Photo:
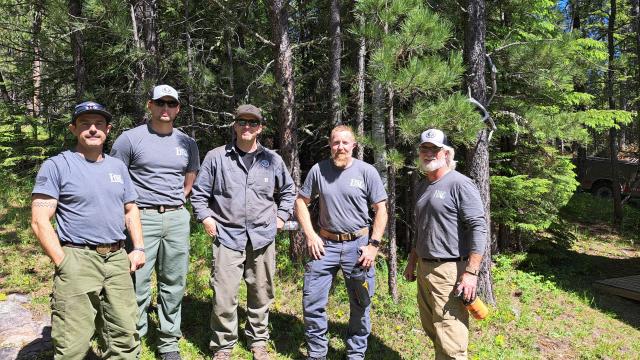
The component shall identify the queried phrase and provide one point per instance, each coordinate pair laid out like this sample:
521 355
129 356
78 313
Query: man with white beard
450 240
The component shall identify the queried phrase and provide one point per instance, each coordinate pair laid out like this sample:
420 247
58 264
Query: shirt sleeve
194 156
310 187
375 187
202 187
287 192
122 149
48 180
472 215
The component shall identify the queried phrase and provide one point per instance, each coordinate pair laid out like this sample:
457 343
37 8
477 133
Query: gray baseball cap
164 90
435 137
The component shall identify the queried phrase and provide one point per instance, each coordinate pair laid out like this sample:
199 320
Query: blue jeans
318 276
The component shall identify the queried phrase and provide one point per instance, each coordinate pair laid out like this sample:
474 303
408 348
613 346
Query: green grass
546 306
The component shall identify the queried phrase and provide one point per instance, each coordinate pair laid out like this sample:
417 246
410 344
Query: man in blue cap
93 200
163 162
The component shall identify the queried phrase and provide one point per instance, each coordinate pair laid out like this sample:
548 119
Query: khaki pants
444 317
258 268
87 284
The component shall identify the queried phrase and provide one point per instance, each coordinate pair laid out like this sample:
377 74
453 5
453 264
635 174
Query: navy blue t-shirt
91 197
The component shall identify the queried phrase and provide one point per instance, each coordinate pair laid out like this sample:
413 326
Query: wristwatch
374 242
471 270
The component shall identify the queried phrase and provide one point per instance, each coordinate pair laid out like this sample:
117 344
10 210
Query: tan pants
257 268
444 317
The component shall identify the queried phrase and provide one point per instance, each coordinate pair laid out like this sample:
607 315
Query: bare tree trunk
77 45
4 93
286 114
377 131
138 80
336 55
188 44
36 72
362 53
391 201
143 18
478 156
613 149
635 14
232 87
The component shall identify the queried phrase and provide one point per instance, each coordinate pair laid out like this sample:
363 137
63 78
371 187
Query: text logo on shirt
115 178
357 183
181 152
439 194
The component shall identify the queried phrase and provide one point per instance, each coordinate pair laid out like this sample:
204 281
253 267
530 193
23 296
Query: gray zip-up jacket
241 200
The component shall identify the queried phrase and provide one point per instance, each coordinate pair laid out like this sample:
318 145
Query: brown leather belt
461 258
161 209
102 249
344 236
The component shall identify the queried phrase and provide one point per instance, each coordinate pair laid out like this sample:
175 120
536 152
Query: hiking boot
222 355
172 355
260 353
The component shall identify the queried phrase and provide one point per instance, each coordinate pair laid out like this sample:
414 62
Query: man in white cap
163 162
450 239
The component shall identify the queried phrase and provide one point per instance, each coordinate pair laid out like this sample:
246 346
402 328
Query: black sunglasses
252 123
169 103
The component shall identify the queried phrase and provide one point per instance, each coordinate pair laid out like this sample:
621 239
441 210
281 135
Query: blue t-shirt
91 197
157 163
345 194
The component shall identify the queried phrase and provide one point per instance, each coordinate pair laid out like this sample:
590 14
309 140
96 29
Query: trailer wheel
602 189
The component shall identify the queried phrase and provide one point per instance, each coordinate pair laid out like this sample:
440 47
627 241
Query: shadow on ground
576 272
287 333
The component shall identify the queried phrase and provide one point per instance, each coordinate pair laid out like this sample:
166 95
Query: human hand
368 257
467 286
136 259
210 226
279 223
410 271
315 246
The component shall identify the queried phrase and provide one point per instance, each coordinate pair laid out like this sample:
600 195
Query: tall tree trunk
362 53
391 201
189 82
36 72
377 131
77 45
232 86
143 18
286 114
613 148
635 15
478 164
336 55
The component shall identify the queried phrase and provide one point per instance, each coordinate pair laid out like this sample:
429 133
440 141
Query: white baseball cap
164 90
435 137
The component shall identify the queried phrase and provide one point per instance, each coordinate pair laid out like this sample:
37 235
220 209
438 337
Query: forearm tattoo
44 204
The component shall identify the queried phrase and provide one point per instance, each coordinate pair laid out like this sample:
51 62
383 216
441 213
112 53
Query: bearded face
342 144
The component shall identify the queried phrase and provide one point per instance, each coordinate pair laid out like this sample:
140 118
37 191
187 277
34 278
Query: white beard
433 165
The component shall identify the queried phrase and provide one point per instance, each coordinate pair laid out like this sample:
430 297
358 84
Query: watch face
375 243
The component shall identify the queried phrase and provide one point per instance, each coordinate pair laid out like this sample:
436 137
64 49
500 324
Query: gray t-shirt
91 197
345 194
449 218
157 163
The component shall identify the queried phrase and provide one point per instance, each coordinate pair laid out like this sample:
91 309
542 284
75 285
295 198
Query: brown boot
260 353
222 355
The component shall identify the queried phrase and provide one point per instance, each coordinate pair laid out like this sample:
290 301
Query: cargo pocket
58 328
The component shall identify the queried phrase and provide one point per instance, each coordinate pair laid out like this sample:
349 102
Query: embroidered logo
181 152
357 183
439 194
265 163
116 178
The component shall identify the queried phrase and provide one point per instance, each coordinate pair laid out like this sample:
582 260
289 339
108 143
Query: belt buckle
161 209
103 249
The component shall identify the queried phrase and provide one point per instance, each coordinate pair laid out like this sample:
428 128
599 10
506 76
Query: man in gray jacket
233 197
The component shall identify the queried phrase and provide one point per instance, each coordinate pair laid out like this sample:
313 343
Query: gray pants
257 267
166 243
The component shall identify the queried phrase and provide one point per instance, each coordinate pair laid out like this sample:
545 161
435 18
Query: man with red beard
346 187
450 240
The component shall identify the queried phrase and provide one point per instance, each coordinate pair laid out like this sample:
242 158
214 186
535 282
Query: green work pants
166 243
258 268
87 284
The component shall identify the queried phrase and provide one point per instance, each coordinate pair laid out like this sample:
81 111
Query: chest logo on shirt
115 178
265 163
357 183
439 194
181 152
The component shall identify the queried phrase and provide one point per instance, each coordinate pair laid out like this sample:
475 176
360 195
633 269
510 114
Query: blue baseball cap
90 107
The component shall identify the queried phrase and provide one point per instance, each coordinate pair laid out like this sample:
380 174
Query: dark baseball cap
248 110
90 107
